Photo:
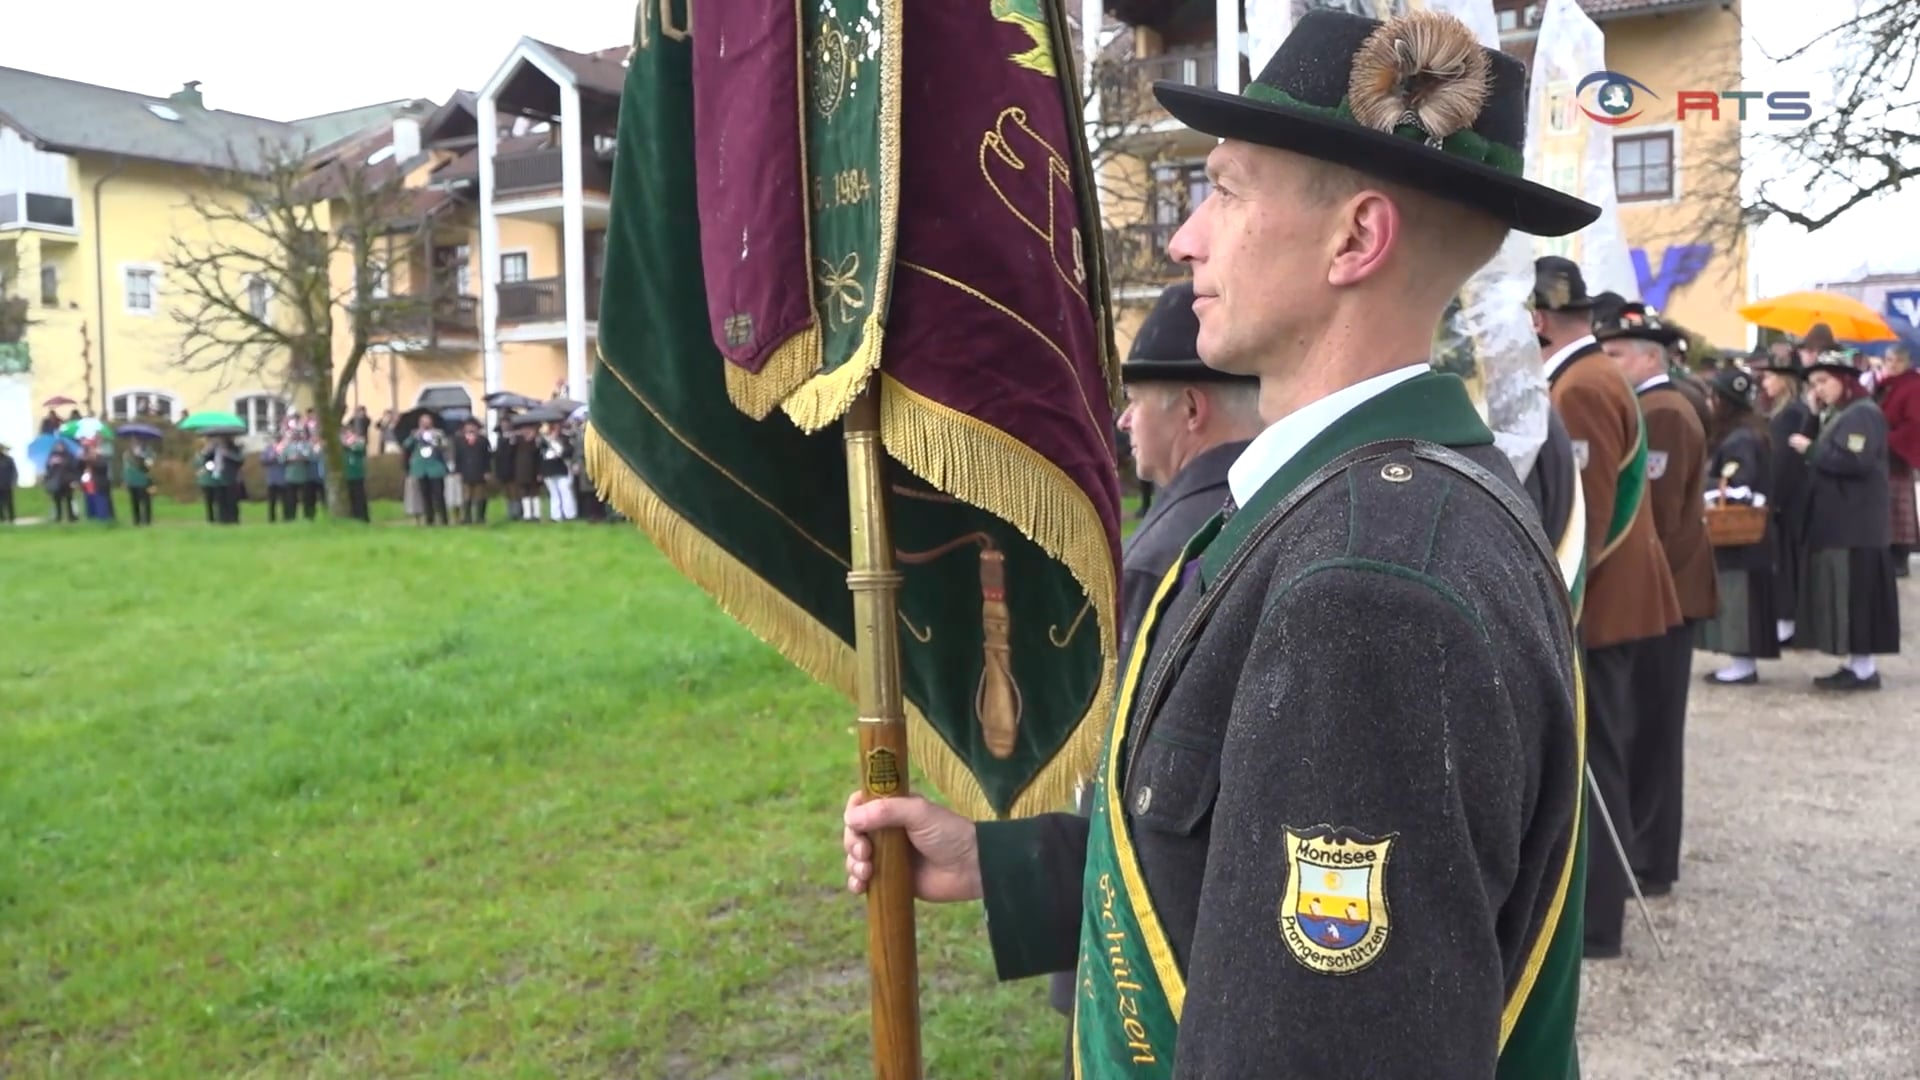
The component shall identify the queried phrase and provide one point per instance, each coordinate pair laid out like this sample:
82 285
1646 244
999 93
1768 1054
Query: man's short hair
1454 239
1236 403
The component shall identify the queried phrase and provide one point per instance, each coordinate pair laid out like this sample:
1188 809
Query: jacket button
1143 800
1395 472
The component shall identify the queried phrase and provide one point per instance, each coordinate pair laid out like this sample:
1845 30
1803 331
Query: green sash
1130 991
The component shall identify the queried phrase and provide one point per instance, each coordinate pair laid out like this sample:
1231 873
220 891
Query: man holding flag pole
1338 817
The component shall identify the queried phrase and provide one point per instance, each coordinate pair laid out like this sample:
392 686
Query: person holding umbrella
472 460
557 471
426 451
57 477
137 466
210 474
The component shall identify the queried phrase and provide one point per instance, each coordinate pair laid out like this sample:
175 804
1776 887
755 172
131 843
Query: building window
144 405
139 285
258 293
49 285
513 266
1643 166
462 271
1178 190
263 413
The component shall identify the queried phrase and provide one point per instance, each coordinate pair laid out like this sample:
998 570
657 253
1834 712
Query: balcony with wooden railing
543 300
1137 256
1126 86
529 172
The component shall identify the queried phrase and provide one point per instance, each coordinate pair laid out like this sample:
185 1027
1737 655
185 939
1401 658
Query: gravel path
1793 938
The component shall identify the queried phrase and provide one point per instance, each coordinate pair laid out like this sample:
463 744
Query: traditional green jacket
136 468
1338 830
209 468
425 459
299 459
355 461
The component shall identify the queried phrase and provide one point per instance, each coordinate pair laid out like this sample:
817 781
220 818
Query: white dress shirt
1284 438
1560 358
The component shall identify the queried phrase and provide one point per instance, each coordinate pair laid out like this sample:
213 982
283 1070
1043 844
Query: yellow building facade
1676 177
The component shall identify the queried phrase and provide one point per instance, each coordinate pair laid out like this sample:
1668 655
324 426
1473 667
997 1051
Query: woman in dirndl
1849 605
1783 379
1740 470
1897 392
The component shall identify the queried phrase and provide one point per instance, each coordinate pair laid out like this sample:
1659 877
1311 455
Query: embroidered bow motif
842 292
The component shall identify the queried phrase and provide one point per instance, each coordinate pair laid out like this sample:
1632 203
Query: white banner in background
1566 150
1487 335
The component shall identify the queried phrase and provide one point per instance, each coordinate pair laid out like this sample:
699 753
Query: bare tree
298 250
1864 145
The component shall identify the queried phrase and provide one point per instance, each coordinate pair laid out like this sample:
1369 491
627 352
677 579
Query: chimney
188 95
406 138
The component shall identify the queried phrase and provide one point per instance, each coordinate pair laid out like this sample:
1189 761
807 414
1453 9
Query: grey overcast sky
354 52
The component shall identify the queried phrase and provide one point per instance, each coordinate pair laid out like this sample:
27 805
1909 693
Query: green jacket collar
1434 407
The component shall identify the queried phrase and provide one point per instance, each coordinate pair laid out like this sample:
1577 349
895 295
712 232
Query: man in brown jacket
1637 340
1629 590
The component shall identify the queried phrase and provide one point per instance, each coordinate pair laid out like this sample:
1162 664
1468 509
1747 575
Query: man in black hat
1338 819
1629 595
1637 340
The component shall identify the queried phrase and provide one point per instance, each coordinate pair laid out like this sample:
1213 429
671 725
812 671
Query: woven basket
1736 525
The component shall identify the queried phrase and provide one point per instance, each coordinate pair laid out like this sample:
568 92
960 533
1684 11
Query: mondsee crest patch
1656 464
1856 442
1334 917
1580 453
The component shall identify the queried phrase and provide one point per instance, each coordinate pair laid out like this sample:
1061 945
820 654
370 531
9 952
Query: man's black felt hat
1167 347
1415 100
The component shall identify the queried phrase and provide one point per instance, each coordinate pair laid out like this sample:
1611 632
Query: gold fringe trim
826 398
807 643
793 362
798 358
985 467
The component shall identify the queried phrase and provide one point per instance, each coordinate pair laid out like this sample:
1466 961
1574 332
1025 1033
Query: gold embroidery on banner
997 701
917 634
842 292
1026 15
1061 641
833 66
1059 177
1058 350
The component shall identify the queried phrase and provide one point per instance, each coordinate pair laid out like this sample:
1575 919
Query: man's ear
1369 230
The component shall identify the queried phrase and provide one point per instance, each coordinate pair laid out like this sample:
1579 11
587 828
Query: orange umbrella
1796 313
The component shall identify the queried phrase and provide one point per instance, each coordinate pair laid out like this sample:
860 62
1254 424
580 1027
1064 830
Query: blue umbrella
140 431
40 449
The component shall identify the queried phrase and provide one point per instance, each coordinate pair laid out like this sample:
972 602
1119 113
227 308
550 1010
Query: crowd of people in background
453 471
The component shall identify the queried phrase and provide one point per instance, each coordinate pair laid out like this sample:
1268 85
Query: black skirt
1744 625
1789 562
1849 603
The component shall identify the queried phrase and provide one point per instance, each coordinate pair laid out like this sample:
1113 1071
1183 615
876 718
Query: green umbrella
87 428
201 420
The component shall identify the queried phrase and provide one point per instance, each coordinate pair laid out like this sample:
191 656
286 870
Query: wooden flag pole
892 959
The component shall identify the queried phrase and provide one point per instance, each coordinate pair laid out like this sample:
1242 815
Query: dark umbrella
409 421
140 431
566 405
502 399
546 414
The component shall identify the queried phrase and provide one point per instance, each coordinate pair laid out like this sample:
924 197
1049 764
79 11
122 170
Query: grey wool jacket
1392 658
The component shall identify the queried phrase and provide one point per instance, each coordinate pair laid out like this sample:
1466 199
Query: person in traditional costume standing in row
1637 340
137 470
1362 708
273 463
427 463
1849 605
1629 596
1897 392
1741 471
353 455
1783 378
302 455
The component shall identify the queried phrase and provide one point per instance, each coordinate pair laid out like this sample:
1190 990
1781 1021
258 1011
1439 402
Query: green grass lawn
329 801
